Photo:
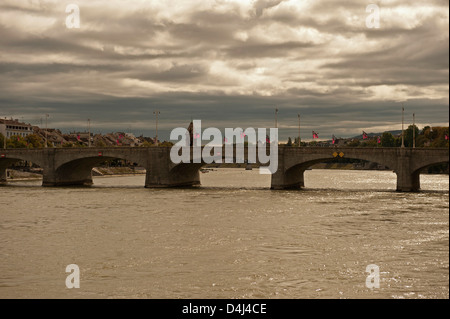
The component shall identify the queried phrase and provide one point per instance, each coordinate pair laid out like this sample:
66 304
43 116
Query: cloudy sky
229 63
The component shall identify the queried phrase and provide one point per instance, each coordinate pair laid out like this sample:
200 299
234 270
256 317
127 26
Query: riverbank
17 175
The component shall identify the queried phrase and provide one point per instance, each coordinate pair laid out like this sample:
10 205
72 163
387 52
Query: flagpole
89 132
276 118
4 140
156 113
46 128
403 127
414 130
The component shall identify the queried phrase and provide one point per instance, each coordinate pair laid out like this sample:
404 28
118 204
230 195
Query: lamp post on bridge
4 137
46 129
299 144
156 114
414 130
276 118
89 132
403 127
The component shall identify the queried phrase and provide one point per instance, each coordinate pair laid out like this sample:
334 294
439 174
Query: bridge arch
415 175
186 174
420 169
295 161
7 160
294 174
78 171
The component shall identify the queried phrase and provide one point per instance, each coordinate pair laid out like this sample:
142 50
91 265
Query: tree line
436 137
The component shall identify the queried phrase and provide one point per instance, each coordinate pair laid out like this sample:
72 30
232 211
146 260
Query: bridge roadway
73 166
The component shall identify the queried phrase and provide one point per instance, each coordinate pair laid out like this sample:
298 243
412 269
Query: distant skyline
228 63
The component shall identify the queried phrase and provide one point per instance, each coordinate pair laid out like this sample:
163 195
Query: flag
334 139
78 137
315 135
365 136
379 140
446 137
118 142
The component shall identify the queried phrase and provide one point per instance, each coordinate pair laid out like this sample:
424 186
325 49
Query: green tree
289 143
421 140
166 144
100 143
146 144
370 143
34 141
387 140
16 142
2 140
409 135
354 143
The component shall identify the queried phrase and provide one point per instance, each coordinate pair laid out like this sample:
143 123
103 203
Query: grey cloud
79 74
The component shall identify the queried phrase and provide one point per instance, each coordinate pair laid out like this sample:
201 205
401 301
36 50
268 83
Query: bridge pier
282 180
408 182
407 179
292 178
3 176
162 173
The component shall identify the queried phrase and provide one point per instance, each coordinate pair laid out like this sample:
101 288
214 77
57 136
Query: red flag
379 140
118 142
365 137
446 137
315 135
78 137
334 139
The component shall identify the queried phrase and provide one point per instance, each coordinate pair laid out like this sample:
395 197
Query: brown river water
230 238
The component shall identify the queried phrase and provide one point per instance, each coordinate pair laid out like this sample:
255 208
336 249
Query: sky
229 63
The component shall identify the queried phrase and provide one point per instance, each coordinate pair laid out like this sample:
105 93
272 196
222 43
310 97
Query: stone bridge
73 166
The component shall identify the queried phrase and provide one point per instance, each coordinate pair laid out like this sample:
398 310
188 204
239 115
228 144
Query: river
230 238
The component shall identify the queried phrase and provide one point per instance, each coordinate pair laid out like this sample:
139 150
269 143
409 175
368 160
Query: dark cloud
229 63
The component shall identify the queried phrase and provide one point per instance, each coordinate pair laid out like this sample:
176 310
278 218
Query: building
10 128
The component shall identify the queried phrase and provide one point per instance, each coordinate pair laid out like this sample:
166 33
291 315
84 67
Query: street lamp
403 130
89 132
46 128
156 114
276 118
414 130
4 137
298 129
